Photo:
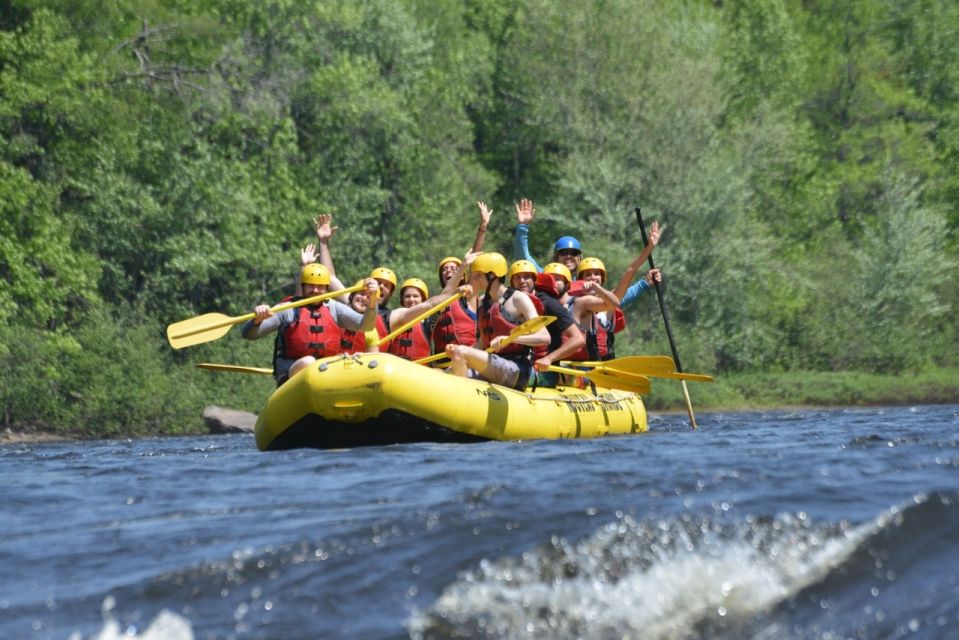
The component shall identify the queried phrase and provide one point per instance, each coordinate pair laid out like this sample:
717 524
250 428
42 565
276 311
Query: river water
787 524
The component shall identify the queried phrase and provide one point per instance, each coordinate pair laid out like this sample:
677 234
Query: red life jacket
493 323
312 333
455 326
412 344
355 341
605 332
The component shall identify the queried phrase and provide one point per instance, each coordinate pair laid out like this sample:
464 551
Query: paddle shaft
518 332
235 368
669 330
226 322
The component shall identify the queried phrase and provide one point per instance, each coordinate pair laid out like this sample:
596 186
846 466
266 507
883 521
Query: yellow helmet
521 266
447 260
490 262
591 263
315 274
382 273
416 283
557 269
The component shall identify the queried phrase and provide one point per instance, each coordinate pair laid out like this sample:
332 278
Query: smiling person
501 310
596 312
414 343
311 331
565 337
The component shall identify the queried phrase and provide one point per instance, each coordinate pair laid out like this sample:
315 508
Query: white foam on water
654 579
167 625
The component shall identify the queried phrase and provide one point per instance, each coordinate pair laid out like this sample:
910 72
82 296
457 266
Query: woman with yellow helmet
564 336
499 313
414 343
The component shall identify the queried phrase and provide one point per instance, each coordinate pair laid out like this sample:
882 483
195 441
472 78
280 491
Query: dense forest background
162 159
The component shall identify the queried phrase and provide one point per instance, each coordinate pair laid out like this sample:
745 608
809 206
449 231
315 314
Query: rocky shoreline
218 421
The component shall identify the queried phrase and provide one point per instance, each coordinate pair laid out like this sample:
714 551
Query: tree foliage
164 159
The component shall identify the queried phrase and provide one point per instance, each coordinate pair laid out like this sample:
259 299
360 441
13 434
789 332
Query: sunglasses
568 252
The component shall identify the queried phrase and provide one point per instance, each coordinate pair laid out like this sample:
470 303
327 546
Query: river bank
734 392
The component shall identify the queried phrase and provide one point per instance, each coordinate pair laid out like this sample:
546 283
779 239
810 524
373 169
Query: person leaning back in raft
501 310
312 331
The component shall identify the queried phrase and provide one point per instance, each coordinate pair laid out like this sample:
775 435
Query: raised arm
526 311
621 288
403 315
525 212
485 213
596 298
324 232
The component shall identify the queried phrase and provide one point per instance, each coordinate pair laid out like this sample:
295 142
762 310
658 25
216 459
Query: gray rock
220 420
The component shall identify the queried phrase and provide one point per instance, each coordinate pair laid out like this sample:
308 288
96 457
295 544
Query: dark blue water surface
792 524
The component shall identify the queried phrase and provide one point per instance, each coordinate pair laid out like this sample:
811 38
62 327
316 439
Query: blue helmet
567 242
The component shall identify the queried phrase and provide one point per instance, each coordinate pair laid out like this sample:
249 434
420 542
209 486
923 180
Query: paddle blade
634 384
611 379
205 328
642 365
673 375
530 326
235 368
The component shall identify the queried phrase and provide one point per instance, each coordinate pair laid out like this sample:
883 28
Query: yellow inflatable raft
378 398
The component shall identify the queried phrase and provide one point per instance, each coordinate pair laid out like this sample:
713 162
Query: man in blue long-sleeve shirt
568 251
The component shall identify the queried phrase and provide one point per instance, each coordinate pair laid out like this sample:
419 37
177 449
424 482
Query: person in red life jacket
309 332
456 324
587 308
565 338
358 341
501 310
414 343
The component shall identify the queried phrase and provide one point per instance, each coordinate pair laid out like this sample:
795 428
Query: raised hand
654 233
308 254
485 213
525 211
653 275
323 229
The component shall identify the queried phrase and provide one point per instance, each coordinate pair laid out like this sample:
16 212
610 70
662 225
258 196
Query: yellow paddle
672 375
652 366
609 379
426 314
212 326
634 364
235 368
530 326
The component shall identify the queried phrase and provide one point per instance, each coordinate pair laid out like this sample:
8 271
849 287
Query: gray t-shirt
343 315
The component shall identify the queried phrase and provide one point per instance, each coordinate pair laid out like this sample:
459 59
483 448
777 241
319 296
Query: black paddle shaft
659 294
